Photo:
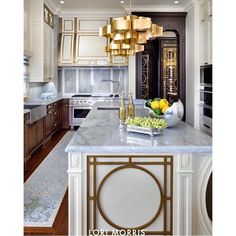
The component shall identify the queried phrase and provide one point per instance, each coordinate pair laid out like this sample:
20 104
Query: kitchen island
128 183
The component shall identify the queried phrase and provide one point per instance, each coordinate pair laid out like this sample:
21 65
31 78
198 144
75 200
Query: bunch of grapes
147 122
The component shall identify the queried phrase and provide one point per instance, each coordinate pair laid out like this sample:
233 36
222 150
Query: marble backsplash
35 90
73 80
96 80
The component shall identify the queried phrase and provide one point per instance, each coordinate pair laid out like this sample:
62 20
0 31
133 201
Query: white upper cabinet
90 50
68 25
67 49
67 37
26 26
41 42
206 32
81 45
119 61
90 47
90 25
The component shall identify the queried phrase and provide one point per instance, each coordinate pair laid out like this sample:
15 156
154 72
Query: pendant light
128 34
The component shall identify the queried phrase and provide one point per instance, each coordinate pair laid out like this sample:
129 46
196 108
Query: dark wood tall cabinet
150 72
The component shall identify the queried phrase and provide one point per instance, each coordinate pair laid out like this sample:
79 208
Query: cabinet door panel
48 124
31 137
67 45
45 52
90 25
65 114
68 25
91 46
203 43
50 54
26 136
39 132
209 43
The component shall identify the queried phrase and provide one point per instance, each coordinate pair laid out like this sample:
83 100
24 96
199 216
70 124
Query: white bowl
173 114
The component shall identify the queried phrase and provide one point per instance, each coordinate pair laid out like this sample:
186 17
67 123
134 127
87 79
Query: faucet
116 95
119 94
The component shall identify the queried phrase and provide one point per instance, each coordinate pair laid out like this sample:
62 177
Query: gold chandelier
128 34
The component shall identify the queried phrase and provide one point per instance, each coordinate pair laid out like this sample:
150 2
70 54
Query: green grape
147 122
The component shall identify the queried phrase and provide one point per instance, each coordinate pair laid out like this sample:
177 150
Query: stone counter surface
101 133
39 101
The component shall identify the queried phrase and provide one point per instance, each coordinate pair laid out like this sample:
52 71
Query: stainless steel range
81 104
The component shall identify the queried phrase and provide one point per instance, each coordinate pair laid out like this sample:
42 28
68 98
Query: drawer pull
207 126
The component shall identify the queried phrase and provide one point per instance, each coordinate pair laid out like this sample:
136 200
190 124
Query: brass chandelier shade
128 34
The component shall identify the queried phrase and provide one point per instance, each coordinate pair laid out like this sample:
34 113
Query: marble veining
101 133
45 188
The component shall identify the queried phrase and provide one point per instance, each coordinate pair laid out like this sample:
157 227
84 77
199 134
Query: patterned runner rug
45 188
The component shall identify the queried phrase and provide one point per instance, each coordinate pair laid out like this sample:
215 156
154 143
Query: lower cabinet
53 120
33 135
65 114
48 121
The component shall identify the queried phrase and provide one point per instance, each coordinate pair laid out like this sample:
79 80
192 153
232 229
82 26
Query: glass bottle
122 110
131 107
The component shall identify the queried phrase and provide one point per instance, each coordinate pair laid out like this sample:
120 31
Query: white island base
138 194
134 184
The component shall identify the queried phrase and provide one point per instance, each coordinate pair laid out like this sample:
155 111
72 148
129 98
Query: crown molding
188 6
154 8
51 6
85 13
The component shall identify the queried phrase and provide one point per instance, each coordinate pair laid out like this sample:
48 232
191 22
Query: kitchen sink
108 108
31 106
37 112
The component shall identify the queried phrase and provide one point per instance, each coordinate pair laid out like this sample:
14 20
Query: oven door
79 114
206 96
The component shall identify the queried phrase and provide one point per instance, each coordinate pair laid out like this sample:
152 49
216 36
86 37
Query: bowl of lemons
161 108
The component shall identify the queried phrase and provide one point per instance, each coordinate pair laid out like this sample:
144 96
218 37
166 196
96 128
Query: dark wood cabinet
31 128
33 135
49 120
65 114
53 120
37 133
59 114
26 134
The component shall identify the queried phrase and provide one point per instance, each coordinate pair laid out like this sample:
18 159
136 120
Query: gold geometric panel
122 179
121 188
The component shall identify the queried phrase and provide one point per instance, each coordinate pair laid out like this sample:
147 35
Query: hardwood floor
60 225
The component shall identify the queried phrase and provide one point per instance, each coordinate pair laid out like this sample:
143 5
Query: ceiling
113 4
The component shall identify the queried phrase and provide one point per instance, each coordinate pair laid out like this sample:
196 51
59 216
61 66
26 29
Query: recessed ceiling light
62 2
176 2
122 2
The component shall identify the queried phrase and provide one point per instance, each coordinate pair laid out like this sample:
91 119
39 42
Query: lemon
164 109
155 105
163 103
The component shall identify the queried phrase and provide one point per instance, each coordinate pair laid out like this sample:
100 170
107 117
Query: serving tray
142 130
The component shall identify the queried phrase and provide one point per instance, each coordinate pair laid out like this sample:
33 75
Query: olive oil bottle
122 110
131 107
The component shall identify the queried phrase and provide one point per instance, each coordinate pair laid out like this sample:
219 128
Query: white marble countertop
100 133
39 101
26 111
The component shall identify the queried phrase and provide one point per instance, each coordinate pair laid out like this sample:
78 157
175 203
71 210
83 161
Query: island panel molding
75 191
160 221
185 161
